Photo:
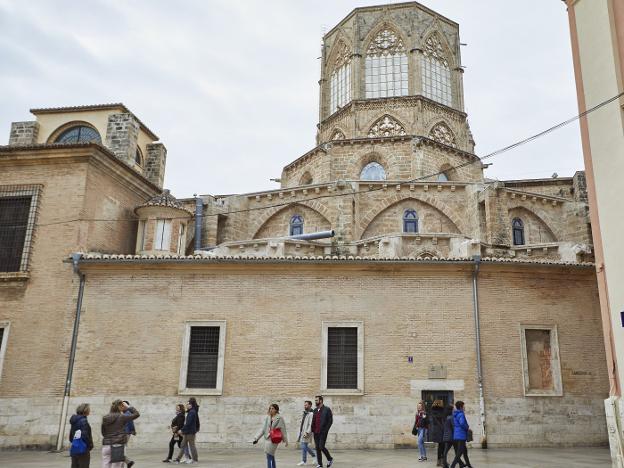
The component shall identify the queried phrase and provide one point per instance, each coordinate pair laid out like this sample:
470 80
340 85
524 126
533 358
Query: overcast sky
230 86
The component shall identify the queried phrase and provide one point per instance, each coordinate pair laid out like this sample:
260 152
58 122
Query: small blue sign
410 359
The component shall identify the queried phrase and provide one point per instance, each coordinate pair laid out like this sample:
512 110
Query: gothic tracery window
296 225
443 134
373 171
386 66
385 127
340 79
436 72
410 221
517 227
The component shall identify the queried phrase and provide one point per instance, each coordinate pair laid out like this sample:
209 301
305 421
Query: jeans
421 442
460 449
319 441
305 449
270 460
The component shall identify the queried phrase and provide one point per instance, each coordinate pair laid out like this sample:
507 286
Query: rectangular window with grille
342 357
203 355
17 221
4 335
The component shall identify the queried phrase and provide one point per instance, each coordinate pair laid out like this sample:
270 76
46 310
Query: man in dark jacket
460 434
322 420
188 432
80 423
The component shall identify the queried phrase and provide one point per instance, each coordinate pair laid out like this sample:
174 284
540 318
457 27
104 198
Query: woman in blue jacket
80 423
460 434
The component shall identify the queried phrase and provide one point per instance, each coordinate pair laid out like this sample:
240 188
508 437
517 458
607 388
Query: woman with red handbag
273 432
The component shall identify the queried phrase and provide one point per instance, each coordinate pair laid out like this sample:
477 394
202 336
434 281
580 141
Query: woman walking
79 423
176 424
422 424
436 431
114 437
273 425
460 434
447 436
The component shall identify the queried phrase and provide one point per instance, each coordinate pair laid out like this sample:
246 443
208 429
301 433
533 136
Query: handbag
275 435
117 453
469 435
415 429
78 446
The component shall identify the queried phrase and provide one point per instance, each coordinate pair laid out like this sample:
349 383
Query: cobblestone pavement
288 457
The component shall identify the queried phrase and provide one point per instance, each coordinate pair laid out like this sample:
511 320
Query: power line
356 192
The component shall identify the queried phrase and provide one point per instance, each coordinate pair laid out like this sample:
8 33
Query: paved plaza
254 458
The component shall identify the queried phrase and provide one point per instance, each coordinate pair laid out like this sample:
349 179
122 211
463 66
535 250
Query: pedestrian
437 417
194 404
305 433
272 426
130 430
322 420
447 437
80 423
114 437
188 432
422 424
176 424
460 434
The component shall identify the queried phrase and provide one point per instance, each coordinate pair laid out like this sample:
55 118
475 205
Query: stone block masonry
23 133
155 163
121 136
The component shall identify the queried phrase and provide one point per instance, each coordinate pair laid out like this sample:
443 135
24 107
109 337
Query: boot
439 462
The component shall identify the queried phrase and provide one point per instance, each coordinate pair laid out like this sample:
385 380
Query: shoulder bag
117 453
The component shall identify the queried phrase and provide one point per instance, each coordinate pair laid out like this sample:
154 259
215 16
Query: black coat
78 421
447 435
327 418
436 428
177 422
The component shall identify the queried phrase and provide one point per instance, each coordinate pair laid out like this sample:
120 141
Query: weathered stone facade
410 245
23 133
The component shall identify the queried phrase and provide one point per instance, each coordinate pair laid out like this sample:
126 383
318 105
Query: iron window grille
410 221
203 357
342 360
18 213
517 227
296 225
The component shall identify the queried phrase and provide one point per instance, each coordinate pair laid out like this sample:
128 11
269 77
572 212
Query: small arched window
138 157
410 221
296 225
373 171
517 227
442 177
79 134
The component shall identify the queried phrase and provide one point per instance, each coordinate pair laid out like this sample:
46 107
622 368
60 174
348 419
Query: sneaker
166 460
301 463
175 462
330 463
130 464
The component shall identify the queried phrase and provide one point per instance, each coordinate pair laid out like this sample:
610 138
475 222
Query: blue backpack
78 446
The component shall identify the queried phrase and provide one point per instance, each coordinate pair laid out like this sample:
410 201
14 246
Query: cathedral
385 270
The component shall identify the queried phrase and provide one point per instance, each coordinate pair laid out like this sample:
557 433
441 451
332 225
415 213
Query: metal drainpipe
199 214
475 303
72 353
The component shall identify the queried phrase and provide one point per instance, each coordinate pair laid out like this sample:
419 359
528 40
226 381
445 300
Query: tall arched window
138 156
386 66
79 134
517 227
436 72
296 225
410 221
373 171
340 79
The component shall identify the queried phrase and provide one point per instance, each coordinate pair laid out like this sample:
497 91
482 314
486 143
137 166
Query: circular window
79 134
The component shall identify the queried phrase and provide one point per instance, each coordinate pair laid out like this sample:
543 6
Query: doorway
429 396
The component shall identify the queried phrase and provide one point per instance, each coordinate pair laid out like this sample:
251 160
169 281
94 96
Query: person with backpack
436 431
80 437
273 432
188 432
422 424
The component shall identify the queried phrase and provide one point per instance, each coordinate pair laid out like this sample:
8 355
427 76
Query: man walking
130 430
305 433
188 432
322 420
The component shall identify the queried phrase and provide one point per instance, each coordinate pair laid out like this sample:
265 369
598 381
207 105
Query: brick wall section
421 311
121 136
23 133
155 163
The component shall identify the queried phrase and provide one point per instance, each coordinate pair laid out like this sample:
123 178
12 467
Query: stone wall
155 163
121 136
23 133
